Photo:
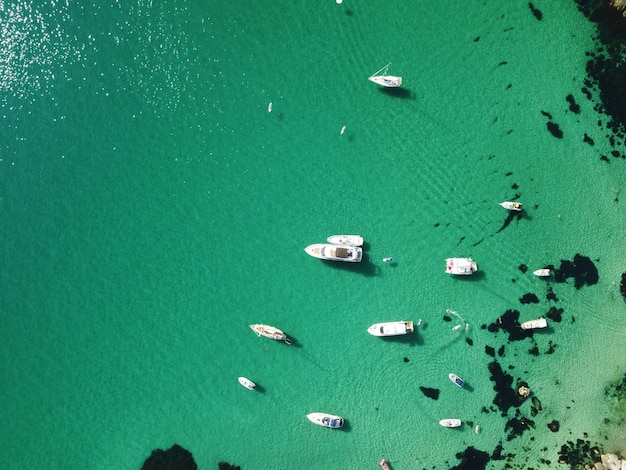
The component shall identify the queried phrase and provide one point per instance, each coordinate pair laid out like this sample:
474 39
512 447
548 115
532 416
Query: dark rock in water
227 466
534 351
536 406
573 107
617 389
174 458
497 452
579 454
501 351
406 359
517 426
581 269
554 314
547 114
537 13
523 268
447 318
431 392
622 286
469 341
491 351
506 396
555 130
550 295
588 140
509 323
551 347
529 298
472 459
554 426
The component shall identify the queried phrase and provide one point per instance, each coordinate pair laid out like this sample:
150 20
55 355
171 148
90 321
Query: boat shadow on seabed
399 92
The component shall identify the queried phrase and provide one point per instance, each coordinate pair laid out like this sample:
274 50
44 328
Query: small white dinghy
348 240
534 324
249 384
545 272
450 423
388 81
512 206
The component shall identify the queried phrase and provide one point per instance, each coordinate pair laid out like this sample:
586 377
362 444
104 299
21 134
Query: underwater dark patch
517 426
555 314
472 459
554 129
431 392
581 269
529 298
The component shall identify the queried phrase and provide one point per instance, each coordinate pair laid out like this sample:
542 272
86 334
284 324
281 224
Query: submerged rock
431 392
174 458
581 269
472 459
516 427
554 426
529 298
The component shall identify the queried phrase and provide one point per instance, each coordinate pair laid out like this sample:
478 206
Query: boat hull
270 332
393 328
450 423
512 206
330 252
542 272
461 266
534 324
387 81
457 380
247 383
326 420
348 240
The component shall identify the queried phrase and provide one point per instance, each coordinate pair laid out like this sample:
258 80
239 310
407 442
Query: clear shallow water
153 209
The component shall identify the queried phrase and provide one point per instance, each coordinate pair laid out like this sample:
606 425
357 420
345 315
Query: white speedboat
512 206
392 328
328 251
545 272
461 266
388 81
450 422
349 240
533 324
326 420
270 332
249 384
456 379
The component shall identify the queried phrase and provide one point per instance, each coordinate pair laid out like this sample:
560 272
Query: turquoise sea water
152 209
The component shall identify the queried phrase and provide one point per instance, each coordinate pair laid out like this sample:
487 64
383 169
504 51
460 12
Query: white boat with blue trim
326 420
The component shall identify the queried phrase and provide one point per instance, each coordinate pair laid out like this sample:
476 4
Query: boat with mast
270 332
388 81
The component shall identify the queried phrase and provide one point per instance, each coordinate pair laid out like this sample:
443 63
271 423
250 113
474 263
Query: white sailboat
388 81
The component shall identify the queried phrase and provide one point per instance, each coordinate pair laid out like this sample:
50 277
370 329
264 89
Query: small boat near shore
450 423
388 81
270 332
461 266
249 384
392 328
545 272
512 206
456 379
330 252
326 420
534 324
348 240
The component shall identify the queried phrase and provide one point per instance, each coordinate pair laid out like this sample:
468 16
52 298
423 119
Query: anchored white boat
461 266
533 324
388 81
545 272
384 465
456 379
349 240
270 332
392 328
512 206
249 384
450 422
328 251
326 420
